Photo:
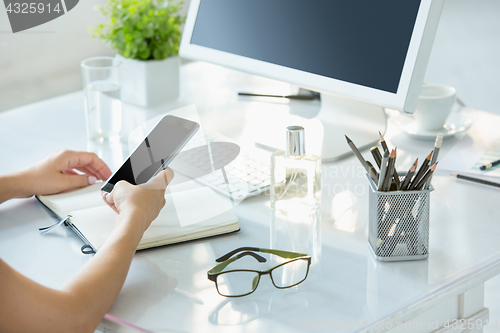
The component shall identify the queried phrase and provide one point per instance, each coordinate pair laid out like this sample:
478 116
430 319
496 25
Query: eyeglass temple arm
230 254
283 254
220 267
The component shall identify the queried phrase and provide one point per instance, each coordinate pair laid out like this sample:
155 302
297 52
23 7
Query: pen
389 172
373 173
489 165
382 142
408 176
422 183
475 180
300 97
376 156
358 154
383 171
435 153
423 169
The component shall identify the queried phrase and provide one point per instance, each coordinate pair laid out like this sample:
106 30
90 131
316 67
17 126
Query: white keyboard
247 175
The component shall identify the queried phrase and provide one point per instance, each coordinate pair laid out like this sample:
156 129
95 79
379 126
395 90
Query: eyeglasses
242 282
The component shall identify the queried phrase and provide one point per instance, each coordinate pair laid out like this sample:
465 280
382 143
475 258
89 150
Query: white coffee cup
434 106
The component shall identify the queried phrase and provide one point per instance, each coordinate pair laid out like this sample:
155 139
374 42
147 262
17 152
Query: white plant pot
149 83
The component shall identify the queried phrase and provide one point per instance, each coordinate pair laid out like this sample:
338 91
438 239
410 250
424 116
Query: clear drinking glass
102 90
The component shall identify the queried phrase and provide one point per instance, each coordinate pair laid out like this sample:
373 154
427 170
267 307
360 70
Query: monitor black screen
364 42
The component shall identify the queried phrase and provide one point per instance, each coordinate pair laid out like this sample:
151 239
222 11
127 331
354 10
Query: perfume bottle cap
295 141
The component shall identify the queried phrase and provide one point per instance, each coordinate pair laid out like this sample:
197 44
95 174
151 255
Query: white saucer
457 122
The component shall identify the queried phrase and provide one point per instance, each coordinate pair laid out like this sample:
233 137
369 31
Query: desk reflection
297 233
390 284
239 311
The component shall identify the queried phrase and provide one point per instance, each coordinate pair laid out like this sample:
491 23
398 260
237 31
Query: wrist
14 185
132 219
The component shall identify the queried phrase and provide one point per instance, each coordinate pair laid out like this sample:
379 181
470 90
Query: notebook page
197 217
64 203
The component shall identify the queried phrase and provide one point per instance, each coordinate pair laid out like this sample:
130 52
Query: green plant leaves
141 29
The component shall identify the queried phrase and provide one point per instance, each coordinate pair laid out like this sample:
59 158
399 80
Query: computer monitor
361 55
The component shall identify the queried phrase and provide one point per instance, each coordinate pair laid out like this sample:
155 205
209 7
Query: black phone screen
156 148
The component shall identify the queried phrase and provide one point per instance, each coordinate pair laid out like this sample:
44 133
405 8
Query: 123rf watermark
326 324
25 14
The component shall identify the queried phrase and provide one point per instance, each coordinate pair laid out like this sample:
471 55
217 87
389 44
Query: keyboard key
263 177
255 182
247 178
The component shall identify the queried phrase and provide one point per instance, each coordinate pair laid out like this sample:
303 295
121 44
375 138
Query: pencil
389 172
435 153
489 165
421 172
358 154
383 171
476 180
408 176
421 184
382 142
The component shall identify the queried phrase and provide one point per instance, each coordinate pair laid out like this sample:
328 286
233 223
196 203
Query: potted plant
146 34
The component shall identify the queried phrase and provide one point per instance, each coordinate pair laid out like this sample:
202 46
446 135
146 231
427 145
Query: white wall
44 61
466 52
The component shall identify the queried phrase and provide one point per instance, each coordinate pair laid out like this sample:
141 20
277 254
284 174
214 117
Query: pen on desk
435 153
383 171
422 183
300 97
395 172
390 170
475 180
421 172
489 165
358 154
408 176
382 142
373 173
376 156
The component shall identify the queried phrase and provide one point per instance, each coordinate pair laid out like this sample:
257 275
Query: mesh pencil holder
398 223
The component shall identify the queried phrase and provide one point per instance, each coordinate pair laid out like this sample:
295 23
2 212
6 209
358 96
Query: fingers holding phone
143 201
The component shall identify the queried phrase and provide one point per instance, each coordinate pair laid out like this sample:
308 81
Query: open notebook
190 213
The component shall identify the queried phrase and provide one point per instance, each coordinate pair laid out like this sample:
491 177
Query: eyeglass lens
239 283
290 274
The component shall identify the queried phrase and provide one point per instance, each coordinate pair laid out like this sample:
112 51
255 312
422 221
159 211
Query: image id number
33 7
469 324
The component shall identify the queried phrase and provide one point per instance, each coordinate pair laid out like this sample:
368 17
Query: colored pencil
409 175
421 172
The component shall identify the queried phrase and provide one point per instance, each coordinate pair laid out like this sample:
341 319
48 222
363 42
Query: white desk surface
345 285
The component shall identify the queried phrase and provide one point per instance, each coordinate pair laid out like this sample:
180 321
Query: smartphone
155 153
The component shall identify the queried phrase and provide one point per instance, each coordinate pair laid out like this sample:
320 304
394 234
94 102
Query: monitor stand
337 117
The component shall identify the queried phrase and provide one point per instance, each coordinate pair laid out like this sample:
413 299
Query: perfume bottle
295 176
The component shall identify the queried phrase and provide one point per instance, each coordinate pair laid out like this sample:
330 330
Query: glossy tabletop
167 289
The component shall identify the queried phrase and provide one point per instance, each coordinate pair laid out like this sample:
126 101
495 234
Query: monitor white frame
405 99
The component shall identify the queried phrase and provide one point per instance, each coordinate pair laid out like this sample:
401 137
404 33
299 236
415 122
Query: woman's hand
54 174
57 172
144 202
